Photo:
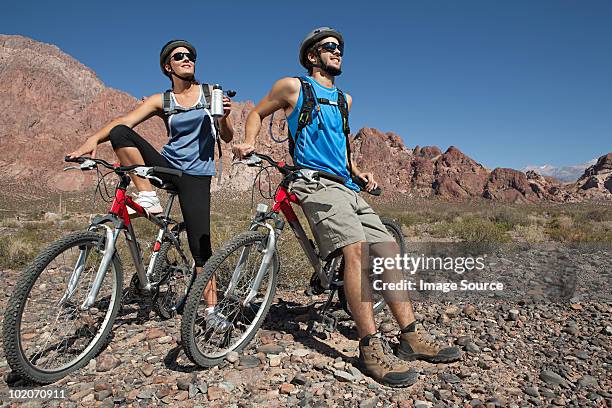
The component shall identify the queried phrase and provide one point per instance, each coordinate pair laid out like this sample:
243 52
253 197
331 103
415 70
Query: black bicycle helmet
315 36
166 50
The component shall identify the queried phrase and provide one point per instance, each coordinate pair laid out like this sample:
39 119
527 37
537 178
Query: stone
472 348
249 361
215 393
513 315
369 403
270 348
232 357
183 383
469 310
300 352
453 311
343 376
275 360
299 379
450 378
102 395
552 378
286 388
147 369
588 381
106 363
155 333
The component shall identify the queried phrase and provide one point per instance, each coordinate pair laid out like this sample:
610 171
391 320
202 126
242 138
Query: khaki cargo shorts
338 216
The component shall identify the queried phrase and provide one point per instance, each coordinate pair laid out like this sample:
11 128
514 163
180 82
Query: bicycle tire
167 269
396 231
196 293
17 360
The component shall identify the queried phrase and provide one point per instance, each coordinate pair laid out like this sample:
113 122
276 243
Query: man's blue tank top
191 143
322 144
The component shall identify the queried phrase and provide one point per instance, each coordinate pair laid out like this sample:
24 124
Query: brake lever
252 160
86 165
155 178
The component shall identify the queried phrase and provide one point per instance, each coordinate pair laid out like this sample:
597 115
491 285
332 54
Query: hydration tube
277 140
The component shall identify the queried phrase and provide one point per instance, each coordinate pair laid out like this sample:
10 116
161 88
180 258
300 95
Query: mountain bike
64 305
246 271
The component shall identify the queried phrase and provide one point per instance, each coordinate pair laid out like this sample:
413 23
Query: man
340 219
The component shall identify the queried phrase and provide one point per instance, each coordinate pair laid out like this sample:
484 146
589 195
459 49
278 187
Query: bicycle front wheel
237 262
46 333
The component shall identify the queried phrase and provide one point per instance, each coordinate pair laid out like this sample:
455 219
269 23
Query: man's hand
242 150
368 178
88 148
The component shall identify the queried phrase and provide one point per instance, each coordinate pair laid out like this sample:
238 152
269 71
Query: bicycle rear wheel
46 338
206 346
378 301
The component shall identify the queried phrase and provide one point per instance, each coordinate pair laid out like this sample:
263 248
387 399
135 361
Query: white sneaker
148 201
217 321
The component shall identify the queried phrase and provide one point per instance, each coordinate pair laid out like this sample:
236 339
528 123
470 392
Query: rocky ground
522 349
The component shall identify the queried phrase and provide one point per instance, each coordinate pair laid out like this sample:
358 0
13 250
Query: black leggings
194 192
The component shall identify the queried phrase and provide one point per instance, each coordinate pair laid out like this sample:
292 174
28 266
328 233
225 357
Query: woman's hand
88 148
227 106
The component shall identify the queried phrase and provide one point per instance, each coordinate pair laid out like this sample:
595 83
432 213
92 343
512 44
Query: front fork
268 254
108 252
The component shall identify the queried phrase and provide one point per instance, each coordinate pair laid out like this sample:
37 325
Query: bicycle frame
282 204
118 216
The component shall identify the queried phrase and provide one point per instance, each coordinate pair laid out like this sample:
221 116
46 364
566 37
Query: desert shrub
563 231
531 233
509 218
471 229
19 249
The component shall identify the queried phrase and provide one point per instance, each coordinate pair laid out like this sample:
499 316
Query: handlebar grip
376 192
332 177
74 159
166 171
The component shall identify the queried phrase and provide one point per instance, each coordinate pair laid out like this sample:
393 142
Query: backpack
168 110
309 104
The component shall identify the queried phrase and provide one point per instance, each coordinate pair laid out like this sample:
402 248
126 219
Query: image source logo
448 269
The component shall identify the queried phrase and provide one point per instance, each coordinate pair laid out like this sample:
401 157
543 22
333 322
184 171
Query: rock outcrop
51 103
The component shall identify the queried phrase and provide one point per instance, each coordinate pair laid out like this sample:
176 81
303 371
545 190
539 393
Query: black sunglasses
332 46
179 56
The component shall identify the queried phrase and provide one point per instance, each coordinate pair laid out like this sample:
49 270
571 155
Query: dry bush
531 233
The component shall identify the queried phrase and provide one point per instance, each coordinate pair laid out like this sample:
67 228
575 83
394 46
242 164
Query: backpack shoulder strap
206 91
344 112
167 103
308 105
305 115
343 107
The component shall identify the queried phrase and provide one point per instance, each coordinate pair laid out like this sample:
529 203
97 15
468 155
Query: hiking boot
413 346
377 361
148 201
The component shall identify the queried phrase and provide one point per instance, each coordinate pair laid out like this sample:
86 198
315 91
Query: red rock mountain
51 103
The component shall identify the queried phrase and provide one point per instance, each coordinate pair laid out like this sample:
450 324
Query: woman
190 148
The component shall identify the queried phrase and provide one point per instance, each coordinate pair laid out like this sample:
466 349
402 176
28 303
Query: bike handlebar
152 171
287 169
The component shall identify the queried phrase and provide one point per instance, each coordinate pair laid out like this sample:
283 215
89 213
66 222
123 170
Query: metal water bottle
216 103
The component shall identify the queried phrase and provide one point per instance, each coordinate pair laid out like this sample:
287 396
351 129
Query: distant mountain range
51 103
568 174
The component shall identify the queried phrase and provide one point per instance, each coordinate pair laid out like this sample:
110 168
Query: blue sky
510 83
